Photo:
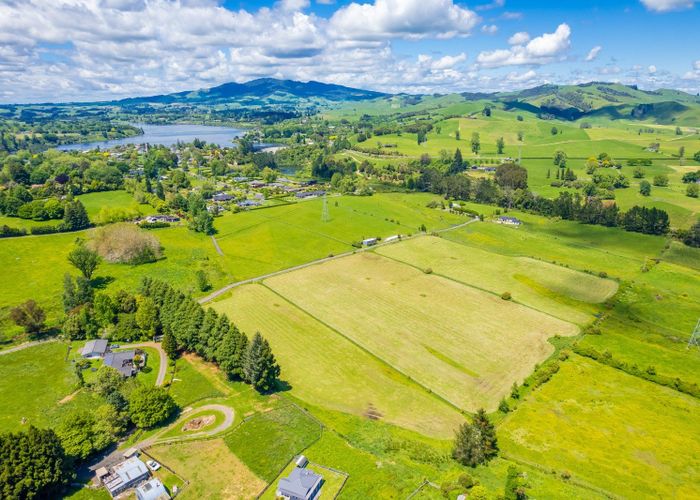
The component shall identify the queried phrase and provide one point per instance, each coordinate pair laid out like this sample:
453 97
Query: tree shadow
101 282
281 386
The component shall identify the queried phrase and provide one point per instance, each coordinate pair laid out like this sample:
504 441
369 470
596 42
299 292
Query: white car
153 465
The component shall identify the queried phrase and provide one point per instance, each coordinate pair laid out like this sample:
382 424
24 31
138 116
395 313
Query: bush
45 229
8 232
428 270
125 244
506 296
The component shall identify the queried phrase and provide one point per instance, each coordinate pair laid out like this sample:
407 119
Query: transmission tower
324 212
695 337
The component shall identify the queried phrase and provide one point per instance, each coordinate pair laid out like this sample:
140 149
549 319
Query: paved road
230 286
163 368
26 345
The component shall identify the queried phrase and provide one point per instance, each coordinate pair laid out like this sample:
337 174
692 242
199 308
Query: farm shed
125 475
369 242
95 348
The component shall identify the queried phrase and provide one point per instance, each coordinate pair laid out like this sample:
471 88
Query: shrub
45 229
428 270
506 296
125 244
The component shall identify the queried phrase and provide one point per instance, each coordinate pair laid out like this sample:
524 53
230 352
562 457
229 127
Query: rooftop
301 483
97 346
122 361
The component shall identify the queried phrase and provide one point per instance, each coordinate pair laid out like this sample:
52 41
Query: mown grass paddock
556 290
327 370
469 348
568 425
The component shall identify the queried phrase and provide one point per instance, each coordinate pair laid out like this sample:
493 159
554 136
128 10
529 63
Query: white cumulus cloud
593 53
540 50
520 38
668 5
489 29
402 18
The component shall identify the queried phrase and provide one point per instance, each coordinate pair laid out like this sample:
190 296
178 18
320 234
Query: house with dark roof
510 221
95 348
301 484
122 361
221 197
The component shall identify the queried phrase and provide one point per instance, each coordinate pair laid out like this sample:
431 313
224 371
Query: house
95 348
122 361
369 242
222 197
125 475
510 221
162 218
257 184
310 194
301 484
152 490
248 203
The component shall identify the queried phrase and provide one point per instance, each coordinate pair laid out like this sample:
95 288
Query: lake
167 135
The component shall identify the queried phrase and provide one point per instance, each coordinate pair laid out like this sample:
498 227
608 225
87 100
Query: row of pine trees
187 326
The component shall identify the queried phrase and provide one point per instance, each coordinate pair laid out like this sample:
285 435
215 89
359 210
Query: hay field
556 290
464 344
327 370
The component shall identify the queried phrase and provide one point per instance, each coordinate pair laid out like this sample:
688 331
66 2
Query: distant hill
263 91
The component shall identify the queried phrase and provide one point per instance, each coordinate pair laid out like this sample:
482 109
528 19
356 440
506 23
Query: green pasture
94 202
327 370
469 349
569 425
190 385
556 290
39 385
279 435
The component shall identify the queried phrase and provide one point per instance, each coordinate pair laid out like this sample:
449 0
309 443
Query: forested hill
263 90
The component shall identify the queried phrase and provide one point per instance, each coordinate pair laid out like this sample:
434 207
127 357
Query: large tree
30 316
149 406
33 464
510 175
476 143
75 216
261 368
468 448
84 259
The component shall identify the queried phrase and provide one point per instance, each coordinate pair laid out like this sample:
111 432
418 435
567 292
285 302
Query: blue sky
104 49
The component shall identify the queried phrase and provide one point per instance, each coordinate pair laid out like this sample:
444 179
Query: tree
33 464
560 159
147 316
108 381
661 180
457 163
516 487
476 143
554 131
692 237
457 135
29 316
500 144
202 281
468 449
203 222
488 433
693 190
149 406
510 175
169 345
75 216
645 188
104 309
638 173
261 368
80 324
679 131
521 135
84 260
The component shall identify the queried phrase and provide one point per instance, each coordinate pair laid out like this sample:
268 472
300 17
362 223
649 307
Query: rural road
216 245
163 367
26 345
230 286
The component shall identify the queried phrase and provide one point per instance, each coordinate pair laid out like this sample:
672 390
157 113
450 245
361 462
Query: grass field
556 290
327 370
570 424
279 435
35 384
470 348
210 467
332 482
94 202
190 385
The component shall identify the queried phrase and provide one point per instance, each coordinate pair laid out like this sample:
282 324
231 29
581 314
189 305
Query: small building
257 184
248 203
302 461
396 237
310 194
221 197
369 242
301 484
95 348
162 218
152 490
122 361
125 475
509 221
